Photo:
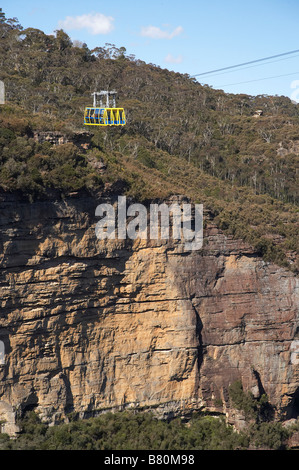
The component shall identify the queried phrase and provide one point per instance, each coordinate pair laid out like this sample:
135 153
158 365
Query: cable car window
107 115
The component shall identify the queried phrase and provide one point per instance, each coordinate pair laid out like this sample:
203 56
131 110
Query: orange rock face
93 325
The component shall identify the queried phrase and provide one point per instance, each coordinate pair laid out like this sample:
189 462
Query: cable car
100 115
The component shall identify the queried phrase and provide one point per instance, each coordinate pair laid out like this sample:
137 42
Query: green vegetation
131 430
33 168
142 431
257 410
262 431
181 137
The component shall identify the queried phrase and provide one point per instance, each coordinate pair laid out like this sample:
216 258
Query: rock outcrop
93 325
82 139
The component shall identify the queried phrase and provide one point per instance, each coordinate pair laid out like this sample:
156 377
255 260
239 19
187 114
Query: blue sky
190 36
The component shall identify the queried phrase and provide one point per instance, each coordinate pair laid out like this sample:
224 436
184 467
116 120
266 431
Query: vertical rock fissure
200 349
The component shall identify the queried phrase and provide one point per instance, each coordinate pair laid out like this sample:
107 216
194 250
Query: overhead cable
258 79
246 63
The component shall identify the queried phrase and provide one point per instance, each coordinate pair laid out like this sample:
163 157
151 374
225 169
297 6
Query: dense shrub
142 431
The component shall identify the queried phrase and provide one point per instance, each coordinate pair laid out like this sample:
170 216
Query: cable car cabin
104 117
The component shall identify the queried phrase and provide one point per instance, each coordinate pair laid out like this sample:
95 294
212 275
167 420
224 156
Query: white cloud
95 23
173 60
156 33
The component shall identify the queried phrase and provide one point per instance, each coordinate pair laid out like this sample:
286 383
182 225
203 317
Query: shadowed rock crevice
292 411
200 348
29 404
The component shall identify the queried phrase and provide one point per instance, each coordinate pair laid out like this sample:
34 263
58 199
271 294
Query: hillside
194 140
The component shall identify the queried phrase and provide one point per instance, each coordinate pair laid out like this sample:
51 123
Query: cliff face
92 325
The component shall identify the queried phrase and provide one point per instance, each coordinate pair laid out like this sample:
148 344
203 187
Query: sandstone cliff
92 325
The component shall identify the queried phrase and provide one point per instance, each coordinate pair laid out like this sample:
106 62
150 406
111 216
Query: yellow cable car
100 115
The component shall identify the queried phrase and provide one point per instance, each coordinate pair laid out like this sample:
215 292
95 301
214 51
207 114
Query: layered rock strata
92 325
